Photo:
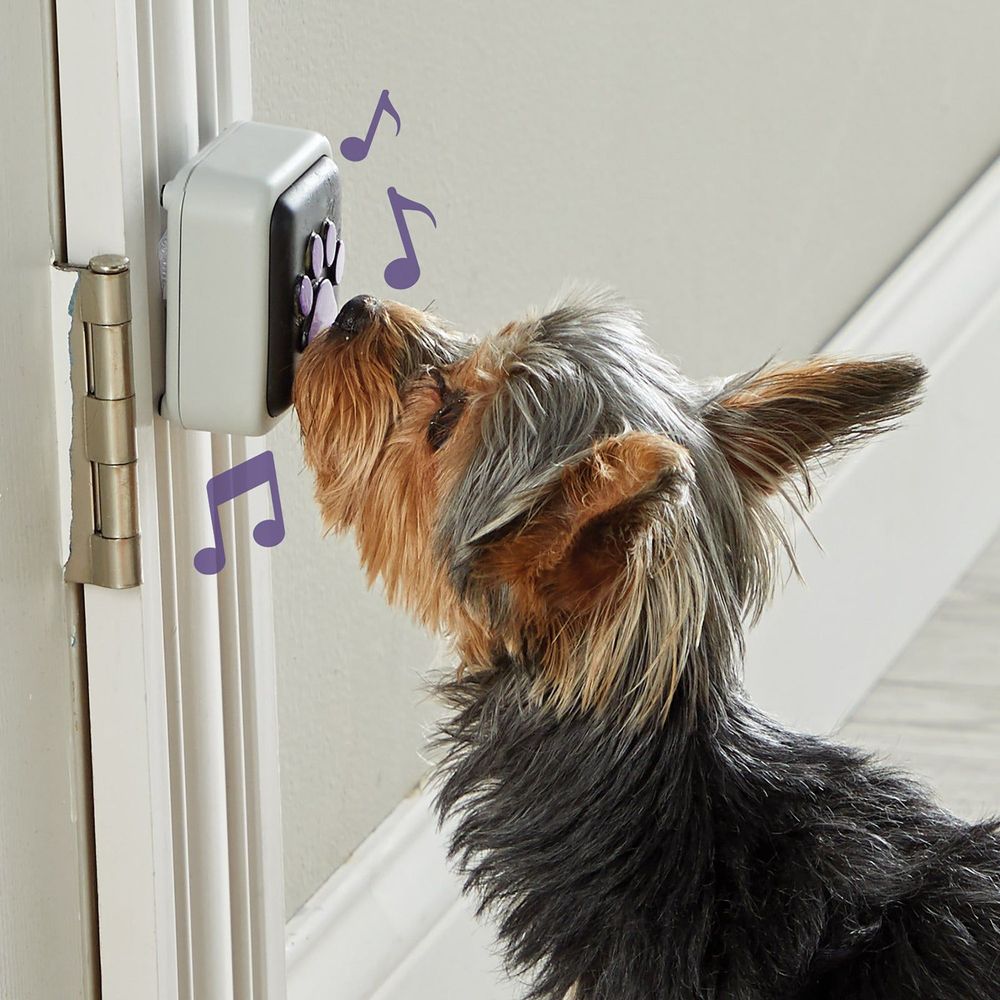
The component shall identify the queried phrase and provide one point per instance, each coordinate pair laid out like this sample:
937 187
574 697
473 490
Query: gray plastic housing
229 352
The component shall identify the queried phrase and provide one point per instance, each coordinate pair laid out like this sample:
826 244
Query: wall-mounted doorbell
256 209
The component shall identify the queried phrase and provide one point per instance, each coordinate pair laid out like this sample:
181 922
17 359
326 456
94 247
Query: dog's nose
356 314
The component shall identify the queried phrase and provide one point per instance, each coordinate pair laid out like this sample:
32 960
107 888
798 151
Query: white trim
392 923
181 670
900 522
458 957
102 178
374 910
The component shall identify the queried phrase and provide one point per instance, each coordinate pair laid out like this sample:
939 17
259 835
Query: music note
404 271
354 147
227 486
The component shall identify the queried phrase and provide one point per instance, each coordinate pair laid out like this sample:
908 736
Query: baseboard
899 523
373 912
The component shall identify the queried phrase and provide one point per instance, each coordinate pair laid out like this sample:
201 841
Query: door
46 894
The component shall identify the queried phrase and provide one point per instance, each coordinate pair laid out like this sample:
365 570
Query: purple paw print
315 301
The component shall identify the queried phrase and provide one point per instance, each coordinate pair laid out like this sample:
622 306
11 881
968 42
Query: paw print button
315 299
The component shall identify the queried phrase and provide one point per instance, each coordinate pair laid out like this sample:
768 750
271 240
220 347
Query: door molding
181 669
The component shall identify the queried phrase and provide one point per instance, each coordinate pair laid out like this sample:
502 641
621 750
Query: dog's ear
570 538
770 423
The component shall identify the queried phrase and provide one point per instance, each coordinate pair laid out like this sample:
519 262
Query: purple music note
354 147
227 486
404 271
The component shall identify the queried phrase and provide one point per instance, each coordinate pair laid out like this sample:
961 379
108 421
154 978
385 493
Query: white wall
44 921
746 173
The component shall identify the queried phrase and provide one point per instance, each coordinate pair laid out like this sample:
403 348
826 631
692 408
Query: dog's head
559 497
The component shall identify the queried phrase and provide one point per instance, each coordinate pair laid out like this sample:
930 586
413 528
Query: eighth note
354 147
227 486
404 271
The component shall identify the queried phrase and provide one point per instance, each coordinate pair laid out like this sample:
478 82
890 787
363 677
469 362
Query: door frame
183 717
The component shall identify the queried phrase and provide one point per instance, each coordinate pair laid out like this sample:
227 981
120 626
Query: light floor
937 709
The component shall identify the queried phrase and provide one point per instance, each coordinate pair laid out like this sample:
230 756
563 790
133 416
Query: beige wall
745 173
43 806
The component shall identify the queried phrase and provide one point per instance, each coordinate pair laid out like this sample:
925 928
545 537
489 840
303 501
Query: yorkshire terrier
594 531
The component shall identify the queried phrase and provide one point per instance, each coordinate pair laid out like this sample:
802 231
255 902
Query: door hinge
104 527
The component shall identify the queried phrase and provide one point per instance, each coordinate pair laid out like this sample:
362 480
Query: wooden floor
937 709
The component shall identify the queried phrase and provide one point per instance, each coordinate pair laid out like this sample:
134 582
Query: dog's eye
444 420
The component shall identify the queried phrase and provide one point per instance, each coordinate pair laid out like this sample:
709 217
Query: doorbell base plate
239 220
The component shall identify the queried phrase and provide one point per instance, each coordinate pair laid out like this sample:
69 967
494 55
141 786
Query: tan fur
773 423
576 571
549 556
346 399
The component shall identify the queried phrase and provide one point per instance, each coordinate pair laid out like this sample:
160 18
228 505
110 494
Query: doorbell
254 255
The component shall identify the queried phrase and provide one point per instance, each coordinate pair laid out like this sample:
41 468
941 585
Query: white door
46 895
181 668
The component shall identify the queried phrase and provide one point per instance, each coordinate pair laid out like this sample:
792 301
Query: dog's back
725 860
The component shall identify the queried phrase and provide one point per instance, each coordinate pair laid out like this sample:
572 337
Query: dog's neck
561 820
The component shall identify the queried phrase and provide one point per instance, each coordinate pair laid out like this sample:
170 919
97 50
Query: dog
594 532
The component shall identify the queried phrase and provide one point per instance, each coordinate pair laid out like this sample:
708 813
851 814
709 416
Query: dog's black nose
356 314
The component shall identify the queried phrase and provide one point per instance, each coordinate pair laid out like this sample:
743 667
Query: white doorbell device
253 253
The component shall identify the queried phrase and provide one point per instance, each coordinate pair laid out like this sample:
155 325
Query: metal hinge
104 530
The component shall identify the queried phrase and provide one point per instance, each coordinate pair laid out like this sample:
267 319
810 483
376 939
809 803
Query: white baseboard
456 960
391 924
899 522
374 910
